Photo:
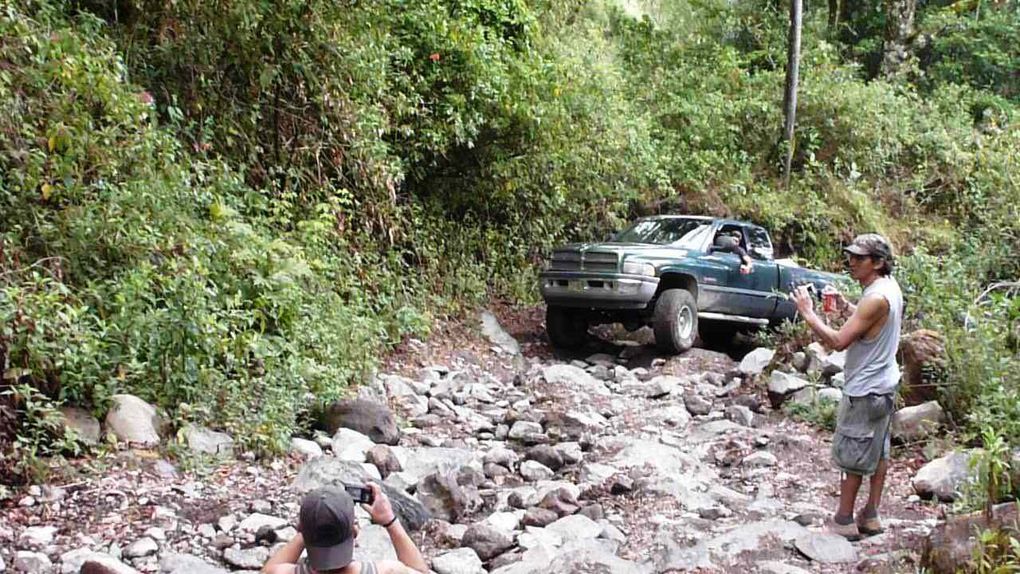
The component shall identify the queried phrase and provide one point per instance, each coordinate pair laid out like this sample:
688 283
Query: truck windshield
679 231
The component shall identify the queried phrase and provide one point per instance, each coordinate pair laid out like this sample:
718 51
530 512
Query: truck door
733 290
765 277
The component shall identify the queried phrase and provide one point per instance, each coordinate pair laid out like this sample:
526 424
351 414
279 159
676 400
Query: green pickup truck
679 274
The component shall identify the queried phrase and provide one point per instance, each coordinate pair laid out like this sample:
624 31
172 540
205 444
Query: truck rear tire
675 321
566 328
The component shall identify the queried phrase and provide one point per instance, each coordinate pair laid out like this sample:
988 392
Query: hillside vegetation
231 209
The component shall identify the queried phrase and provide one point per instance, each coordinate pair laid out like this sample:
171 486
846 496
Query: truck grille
596 261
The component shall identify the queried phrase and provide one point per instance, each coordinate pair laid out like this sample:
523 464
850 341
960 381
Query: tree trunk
899 29
835 11
790 98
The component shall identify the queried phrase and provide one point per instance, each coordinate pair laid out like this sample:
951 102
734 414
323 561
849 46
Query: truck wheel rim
684 323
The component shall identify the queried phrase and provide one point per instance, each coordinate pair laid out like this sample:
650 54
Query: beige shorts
862 433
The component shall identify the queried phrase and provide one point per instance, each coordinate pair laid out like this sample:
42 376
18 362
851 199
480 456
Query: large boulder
374 543
924 355
950 546
328 471
446 498
423 461
944 478
205 441
133 420
371 418
917 422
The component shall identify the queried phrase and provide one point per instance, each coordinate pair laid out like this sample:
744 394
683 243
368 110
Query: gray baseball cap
326 523
870 244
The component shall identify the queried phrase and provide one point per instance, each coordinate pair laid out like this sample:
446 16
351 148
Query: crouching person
326 533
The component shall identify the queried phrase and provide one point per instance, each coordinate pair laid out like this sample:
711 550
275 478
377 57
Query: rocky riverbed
505 458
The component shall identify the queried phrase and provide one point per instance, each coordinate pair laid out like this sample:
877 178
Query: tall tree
899 33
792 76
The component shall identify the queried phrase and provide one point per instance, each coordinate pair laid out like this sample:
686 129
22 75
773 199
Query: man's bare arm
870 311
283 561
407 552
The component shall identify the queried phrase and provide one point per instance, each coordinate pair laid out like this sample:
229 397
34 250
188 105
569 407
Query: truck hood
628 250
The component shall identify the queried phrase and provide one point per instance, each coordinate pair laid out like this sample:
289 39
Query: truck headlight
639 268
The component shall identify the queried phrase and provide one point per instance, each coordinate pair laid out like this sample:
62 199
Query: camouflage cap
871 244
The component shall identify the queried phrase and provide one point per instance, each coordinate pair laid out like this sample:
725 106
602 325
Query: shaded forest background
232 209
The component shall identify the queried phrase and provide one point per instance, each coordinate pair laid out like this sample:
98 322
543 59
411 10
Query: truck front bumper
580 289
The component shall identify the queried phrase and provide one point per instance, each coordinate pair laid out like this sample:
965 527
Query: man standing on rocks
327 529
871 337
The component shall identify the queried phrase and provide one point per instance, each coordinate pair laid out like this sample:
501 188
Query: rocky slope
616 460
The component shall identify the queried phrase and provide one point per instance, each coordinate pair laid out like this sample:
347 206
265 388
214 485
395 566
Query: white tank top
871 363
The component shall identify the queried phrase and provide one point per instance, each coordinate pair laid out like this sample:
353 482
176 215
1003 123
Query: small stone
696 404
487 541
523 430
141 548
539 517
661 386
740 415
156 533
534 471
247 559
305 449
826 548
37 536
226 523
561 501
755 362
760 459
783 384
545 454
205 441
459 561
829 395
384 459
622 484
593 511
257 520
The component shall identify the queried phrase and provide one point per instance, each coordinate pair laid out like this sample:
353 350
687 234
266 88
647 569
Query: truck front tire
566 328
675 321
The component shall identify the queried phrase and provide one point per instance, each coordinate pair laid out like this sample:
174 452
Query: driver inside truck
729 241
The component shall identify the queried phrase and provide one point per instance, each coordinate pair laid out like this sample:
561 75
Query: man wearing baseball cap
871 337
327 530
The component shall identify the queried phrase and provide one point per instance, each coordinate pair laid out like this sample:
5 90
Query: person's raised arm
285 558
382 514
870 311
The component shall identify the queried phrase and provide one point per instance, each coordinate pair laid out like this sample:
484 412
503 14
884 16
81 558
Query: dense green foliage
227 208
